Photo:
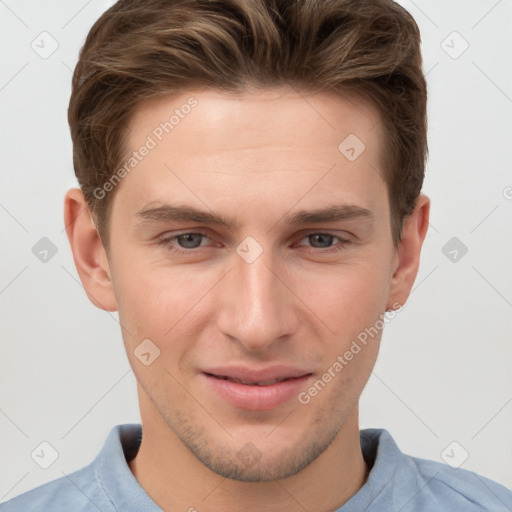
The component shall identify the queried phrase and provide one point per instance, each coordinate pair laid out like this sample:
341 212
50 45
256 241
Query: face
286 260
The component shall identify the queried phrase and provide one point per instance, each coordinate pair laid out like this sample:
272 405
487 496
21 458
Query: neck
176 480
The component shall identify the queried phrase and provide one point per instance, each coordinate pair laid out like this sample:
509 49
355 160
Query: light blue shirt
397 483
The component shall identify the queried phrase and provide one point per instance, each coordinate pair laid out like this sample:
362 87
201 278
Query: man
250 204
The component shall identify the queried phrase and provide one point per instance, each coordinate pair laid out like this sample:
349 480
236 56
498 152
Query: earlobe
88 251
413 234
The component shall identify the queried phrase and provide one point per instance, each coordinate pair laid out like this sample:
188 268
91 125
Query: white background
444 370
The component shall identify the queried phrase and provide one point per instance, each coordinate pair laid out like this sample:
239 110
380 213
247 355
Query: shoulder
470 490
79 491
415 484
107 479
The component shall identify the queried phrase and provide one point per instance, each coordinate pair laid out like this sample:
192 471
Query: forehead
255 118
261 145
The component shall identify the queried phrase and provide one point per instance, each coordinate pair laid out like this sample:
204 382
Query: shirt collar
380 452
119 483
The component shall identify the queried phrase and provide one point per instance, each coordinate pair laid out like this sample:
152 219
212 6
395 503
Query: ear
413 234
88 252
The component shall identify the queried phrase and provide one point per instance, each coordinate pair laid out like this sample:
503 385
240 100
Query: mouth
269 382
259 391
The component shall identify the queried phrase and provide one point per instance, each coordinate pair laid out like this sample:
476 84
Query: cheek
160 303
346 298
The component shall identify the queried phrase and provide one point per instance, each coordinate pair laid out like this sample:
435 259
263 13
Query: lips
255 389
253 383
257 376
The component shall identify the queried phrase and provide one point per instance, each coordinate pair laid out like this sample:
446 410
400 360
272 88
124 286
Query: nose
256 306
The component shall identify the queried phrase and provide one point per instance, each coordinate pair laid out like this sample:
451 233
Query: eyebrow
330 214
170 213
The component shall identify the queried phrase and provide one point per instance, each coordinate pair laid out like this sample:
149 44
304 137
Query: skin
256 158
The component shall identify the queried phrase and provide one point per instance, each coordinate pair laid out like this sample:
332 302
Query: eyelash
166 242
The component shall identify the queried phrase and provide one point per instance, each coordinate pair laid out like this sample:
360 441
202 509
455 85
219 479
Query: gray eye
189 240
323 239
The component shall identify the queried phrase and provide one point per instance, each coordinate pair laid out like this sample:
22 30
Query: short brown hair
139 49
